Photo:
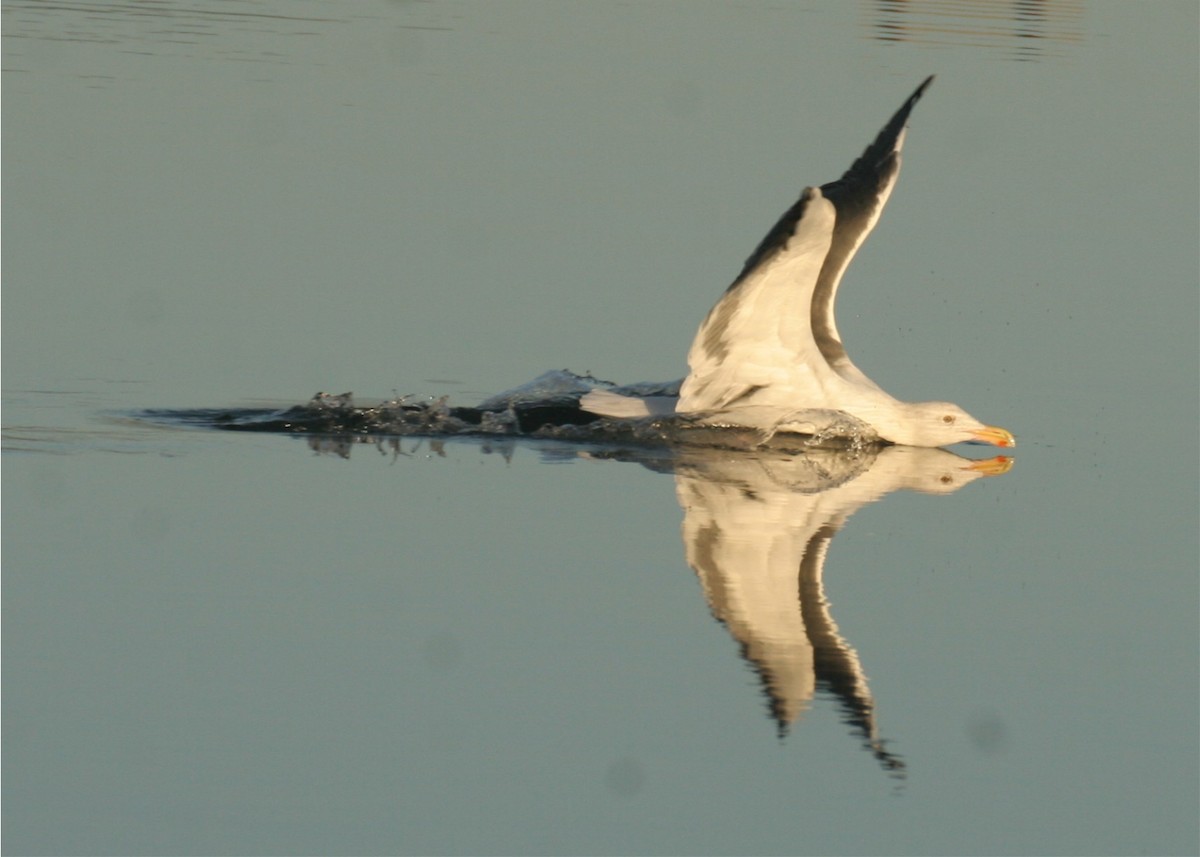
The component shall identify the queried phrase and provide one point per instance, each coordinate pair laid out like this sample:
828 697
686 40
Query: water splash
545 407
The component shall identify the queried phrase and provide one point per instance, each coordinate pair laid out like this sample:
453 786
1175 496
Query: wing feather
859 197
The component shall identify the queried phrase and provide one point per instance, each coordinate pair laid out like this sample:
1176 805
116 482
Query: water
229 642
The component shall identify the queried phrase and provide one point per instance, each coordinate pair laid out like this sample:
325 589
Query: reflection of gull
769 353
756 531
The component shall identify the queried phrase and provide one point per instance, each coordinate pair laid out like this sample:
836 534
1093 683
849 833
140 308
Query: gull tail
609 404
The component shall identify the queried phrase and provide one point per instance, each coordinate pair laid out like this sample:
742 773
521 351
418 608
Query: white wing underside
756 346
756 354
755 351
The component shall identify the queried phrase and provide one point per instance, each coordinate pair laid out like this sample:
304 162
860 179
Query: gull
769 356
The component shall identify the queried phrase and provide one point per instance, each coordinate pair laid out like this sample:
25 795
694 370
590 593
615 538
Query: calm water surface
227 644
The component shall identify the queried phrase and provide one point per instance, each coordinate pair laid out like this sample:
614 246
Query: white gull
768 356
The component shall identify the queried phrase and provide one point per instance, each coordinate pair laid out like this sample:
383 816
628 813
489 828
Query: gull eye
948 419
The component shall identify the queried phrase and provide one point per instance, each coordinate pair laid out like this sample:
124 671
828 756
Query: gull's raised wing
772 339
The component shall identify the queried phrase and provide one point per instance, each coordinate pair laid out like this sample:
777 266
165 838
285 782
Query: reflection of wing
835 661
756 530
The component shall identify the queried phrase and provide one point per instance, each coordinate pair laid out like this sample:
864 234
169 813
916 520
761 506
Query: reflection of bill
756 530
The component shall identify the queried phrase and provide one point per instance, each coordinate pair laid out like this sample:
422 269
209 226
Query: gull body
769 353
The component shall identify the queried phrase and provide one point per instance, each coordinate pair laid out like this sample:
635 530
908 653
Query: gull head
941 424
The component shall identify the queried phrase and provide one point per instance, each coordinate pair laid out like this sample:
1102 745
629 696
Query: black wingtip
882 152
901 116
915 97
